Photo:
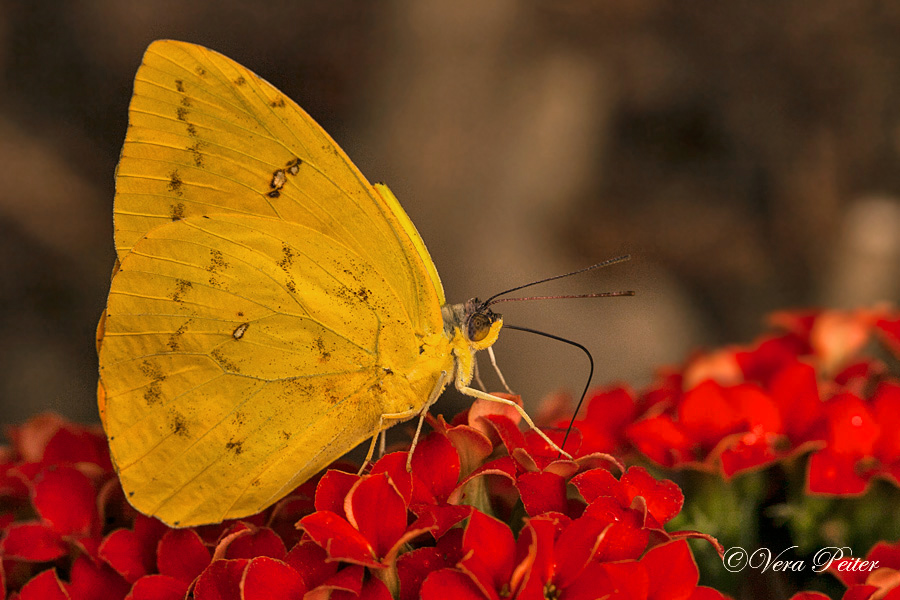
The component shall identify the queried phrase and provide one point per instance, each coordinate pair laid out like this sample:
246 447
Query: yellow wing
206 135
269 306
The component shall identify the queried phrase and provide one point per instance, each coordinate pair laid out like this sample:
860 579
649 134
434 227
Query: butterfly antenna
605 263
590 374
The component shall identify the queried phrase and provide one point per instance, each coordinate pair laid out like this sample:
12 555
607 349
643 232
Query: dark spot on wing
197 154
286 435
240 330
179 85
240 81
293 166
223 362
278 179
177 211
200 71
181 113
363 294
291 286
277 103
181 286
422 349
175 183
239 418
192 131
174 343
235 447
178 424
240 313
324 355
387 371
153 393
216 265
186 102
287 257
273 194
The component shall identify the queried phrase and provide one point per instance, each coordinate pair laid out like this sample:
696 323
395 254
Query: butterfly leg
490 352
371 451
432 398
476 375
469 391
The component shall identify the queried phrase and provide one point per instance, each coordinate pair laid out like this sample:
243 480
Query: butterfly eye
478 327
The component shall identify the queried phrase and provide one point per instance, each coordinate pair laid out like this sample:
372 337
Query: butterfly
270 309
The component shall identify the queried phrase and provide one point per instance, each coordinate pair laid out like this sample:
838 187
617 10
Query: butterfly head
482 325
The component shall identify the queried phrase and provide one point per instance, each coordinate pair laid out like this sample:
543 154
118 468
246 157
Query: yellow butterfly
270 309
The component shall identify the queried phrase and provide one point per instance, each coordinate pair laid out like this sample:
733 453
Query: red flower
372 529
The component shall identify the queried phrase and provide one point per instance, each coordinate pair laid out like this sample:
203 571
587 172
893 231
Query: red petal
829 473
450 583
375 589
851 428
594 582
756 408
664 498
339 539
394 464
378 511
92 581
333 489
73 444
674 572
594 483
632 579
810 596
886 406
65 497
182 555
770 356
348 579
862 592
122 550
707 593
158 587
508 430
492 550
221 580
706 414
796 393
413 567
661 440
33 542
441 516
576 546
625 538
608 412
436 464
890 333
266 578
309 559
748 451
542 492
887 555
44 586
261 542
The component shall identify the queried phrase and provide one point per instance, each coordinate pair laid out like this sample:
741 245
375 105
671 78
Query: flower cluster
481 510
807 386
439 529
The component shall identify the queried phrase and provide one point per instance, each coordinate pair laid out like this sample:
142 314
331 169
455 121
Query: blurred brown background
746 154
